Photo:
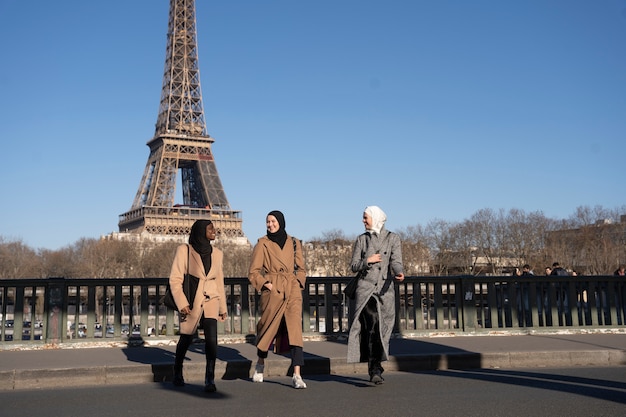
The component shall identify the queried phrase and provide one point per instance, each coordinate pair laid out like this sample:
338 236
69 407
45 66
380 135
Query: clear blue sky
429 109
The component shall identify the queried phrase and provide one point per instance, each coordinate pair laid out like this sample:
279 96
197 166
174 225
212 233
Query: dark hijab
199 242
280 237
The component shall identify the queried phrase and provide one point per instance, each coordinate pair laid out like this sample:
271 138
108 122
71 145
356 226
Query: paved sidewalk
101 365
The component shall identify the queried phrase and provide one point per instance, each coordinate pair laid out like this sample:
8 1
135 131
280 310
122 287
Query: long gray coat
378 282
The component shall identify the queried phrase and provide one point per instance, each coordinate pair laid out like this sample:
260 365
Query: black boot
181 350
376 372
210 350
377 377
178 376
209 376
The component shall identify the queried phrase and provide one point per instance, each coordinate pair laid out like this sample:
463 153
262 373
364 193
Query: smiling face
272 224
367 221
210 232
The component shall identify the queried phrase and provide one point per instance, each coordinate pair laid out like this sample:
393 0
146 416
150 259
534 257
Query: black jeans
371 343
210 342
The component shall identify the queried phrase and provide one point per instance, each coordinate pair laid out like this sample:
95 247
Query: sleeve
220 284
395 261
255 272
358 262
177 276
299 261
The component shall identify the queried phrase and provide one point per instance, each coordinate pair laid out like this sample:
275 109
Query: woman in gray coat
377 258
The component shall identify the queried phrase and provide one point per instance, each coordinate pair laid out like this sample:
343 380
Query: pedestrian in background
377 258
562 294
523 297
277 272
199 259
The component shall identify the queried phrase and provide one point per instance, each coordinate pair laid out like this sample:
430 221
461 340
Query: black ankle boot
376 377
209 376
376 372
181 349
178 376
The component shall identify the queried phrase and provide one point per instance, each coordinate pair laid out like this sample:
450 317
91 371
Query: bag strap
186 280
295 265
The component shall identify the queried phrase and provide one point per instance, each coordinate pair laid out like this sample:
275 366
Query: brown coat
211 285
272 264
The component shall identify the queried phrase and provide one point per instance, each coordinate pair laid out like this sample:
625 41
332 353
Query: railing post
330 306
306 309
245 308
468 317
55 304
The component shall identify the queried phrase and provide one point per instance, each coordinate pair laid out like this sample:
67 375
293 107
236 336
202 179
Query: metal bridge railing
57 310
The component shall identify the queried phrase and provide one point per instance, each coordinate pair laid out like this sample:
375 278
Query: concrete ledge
243 368
53 378
7 380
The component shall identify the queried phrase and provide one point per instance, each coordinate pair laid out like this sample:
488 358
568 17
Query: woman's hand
269 286
185 310
223 317
375 258
399 277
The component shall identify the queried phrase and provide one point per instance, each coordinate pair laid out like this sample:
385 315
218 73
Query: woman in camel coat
277 272
201 260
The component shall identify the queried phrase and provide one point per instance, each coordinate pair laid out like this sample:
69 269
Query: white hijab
378 218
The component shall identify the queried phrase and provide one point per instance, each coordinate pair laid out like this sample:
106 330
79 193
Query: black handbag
350 289
190 286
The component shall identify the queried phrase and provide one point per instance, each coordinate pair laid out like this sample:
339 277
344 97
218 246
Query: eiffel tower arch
181 145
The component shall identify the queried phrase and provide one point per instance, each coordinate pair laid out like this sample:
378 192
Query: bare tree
462 247
59 263
438 239
18 260
156 260
236 259
483 224
525 236
329 255
415 251
592 240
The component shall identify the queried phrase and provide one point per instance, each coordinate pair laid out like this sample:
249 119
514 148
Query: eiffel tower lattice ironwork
181 144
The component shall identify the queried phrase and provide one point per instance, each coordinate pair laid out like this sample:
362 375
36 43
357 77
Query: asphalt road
568 392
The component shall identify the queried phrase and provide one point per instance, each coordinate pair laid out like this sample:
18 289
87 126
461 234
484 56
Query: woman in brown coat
200 259
277 272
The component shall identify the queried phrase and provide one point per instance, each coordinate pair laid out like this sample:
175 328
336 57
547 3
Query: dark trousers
210 342
371 343
297 355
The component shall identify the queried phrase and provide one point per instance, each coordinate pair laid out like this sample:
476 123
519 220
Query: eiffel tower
181 144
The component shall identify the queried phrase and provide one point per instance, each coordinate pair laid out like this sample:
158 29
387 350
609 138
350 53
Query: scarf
280 237
199 242
378 218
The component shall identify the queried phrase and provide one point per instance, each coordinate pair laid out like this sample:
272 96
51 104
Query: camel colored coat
272 264
210 288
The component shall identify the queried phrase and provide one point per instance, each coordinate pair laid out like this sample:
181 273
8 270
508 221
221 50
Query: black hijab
280 237
199 242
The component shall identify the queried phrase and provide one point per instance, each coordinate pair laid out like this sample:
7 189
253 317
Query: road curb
243 368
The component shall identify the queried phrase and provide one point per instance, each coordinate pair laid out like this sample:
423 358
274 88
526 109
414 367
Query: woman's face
272 224
367 221
210 232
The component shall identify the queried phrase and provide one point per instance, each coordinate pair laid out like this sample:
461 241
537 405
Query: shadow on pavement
411 354
162 360
590 387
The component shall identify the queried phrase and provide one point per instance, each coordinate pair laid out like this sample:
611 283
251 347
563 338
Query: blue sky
428 109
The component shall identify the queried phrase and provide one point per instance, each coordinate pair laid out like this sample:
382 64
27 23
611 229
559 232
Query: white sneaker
297 382
258 373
